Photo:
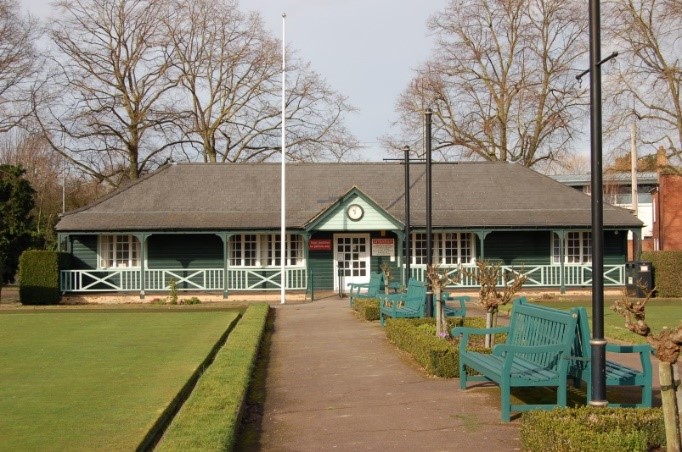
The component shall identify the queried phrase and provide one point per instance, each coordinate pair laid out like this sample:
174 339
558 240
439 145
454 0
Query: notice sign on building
383 247
320 245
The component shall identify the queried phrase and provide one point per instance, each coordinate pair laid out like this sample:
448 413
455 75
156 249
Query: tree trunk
678 392
439 312
671 414
490 322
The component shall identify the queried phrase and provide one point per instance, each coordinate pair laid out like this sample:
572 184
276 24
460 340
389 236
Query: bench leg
505 414
462 376
561 396
646 395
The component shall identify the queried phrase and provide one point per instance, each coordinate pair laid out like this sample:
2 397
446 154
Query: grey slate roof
247 196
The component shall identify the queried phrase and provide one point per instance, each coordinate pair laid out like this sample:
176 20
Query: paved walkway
335 383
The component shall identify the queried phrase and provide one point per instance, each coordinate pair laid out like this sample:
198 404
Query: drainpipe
408 239
429 243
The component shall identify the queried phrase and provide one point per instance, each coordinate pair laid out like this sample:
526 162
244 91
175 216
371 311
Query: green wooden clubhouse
216 227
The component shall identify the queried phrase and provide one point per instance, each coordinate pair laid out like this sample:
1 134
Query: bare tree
501 81
18 62
107 104
231 76
646 88
56 188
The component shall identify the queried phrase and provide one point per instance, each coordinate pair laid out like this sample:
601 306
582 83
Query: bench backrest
415 298
532 325
375 284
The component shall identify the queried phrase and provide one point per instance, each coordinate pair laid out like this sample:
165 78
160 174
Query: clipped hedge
593 429
209 419
367 308
667 272
417 337
39 277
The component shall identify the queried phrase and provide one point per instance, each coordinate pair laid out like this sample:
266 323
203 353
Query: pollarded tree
501 81
106 106
18 62
230 76
647 85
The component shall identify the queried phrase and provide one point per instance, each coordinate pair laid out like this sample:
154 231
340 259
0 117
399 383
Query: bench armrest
639 348
644 351
466 331
459 299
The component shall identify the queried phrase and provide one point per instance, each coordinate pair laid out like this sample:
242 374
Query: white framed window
454 248
449 248
251 250
119 251
419 248
577 248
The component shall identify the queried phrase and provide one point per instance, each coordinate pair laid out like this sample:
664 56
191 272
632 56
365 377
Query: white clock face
355 212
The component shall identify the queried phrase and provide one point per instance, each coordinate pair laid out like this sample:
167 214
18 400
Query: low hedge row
418 337
209 419
367 308
667 267
593 429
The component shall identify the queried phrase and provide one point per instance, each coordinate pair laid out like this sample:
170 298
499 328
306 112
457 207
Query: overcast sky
366 49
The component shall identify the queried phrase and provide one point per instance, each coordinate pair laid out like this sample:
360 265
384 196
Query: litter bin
639 278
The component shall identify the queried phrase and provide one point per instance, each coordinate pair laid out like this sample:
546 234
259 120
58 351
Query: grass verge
209 419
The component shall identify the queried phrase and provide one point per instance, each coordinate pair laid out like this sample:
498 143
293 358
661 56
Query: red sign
382 247
320 245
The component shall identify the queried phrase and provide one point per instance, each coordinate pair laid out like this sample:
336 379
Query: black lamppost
597 343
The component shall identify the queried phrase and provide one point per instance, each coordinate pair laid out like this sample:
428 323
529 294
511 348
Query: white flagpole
283 237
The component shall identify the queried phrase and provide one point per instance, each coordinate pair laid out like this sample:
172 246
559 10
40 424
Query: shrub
193 300
667 266
592 429
417 337
367 308
210 417
39 277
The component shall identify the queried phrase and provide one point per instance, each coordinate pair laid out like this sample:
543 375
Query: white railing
266 279
537 275
205 279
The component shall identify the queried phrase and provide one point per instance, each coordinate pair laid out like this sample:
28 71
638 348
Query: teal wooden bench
580 368
404 305
366 290
535 354
616 374
459 309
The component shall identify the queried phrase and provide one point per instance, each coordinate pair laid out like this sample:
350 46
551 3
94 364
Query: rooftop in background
644 178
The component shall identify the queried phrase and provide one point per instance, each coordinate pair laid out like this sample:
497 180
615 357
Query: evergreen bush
667 267
593 429
367 308
39 277
437 356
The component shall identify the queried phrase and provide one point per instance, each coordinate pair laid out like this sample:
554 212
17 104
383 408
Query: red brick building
667 213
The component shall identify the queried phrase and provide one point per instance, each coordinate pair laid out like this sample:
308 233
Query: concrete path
335 383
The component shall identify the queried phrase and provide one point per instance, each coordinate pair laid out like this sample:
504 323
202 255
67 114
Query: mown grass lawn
659 313
96 380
